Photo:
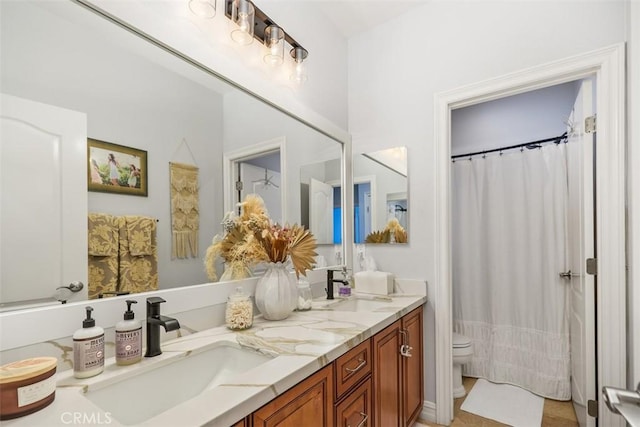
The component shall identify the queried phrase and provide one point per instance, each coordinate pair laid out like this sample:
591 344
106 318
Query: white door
321 211
581 246
43 208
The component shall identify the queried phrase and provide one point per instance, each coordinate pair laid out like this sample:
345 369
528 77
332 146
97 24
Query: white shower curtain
510 243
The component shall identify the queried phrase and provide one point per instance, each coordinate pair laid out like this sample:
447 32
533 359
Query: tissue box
374 282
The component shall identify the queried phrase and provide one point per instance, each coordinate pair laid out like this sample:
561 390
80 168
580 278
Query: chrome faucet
331 281
154 321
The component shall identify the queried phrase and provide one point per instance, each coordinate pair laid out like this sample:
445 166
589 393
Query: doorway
607 66
257 169
522 206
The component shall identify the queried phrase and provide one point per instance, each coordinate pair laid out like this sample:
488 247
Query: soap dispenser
88 348
128 337
344 290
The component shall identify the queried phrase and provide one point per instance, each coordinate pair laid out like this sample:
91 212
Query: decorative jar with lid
239 312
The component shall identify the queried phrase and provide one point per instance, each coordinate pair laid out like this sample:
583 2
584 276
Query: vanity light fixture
251 22
203 8
299 54
274 41
242 14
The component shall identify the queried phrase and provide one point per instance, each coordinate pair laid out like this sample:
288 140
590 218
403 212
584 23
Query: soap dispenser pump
88 348
128 337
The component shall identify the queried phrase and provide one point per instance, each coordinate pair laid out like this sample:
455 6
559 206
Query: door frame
230 172
608 67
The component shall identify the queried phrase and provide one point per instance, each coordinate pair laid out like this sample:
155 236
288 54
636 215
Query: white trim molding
608 66
428 412
229 169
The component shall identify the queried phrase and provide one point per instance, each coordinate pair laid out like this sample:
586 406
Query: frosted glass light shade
274 42
242 15
203 8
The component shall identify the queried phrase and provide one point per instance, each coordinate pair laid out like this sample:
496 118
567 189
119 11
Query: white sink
360 304
141 396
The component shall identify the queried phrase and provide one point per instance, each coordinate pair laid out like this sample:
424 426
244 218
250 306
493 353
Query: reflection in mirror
137 95
381 196
320 200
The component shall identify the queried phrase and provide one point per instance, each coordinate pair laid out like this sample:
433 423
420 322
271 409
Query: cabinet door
242 423
355 409
387 377
412 367
309 404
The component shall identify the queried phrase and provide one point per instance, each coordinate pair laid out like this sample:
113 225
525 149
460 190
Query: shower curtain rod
530 145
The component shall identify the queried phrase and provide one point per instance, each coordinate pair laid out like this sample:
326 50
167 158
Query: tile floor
556 414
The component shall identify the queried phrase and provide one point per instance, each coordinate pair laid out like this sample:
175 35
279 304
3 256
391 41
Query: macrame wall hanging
185 215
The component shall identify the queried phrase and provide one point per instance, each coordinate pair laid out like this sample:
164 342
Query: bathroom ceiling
355 16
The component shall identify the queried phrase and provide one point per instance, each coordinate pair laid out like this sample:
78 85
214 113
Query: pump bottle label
129 344
88 353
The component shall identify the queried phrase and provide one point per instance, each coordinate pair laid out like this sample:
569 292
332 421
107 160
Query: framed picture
113 168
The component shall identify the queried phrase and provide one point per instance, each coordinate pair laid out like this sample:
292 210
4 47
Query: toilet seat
460 341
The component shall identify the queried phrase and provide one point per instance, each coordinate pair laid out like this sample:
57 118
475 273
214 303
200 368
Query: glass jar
239 312
304 295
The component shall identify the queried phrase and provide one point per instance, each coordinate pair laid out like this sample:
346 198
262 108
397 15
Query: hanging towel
103 237
140 231
185 216
137 273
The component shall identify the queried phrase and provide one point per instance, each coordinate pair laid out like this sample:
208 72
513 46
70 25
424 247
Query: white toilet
462 352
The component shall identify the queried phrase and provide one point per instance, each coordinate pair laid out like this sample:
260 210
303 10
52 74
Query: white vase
276 292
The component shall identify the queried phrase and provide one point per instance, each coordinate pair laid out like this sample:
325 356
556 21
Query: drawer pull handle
365 417
357 368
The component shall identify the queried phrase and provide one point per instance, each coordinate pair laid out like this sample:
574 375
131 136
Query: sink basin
360 304
141 396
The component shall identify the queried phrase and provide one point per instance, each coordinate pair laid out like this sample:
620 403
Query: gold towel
140 231
103 235
103 254
137 273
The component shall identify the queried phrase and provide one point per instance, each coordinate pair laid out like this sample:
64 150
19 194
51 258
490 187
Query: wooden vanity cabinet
309 404
356 410
413 368
397 378
373 384
353 387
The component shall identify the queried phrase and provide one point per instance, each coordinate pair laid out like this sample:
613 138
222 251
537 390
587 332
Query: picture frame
113 168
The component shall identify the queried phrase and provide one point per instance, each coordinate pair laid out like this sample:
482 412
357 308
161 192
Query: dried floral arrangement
251 238
393 228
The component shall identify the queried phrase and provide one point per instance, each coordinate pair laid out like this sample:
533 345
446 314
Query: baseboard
428 412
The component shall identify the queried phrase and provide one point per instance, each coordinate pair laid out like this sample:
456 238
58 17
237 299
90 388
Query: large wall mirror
380 198
137 95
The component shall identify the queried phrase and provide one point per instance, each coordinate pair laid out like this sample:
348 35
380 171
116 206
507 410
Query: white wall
517 119
321 100
441 46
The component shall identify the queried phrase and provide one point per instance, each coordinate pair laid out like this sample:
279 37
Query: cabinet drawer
352 367
355 410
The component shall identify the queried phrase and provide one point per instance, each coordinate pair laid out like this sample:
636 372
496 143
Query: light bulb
274 41
242 14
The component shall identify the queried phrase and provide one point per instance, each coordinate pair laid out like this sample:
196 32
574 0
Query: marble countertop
298 347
